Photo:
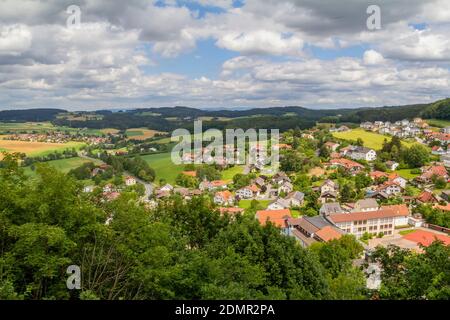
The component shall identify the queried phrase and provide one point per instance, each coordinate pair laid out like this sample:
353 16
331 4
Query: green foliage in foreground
184 250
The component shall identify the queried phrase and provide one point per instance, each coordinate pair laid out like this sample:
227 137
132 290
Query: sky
222 53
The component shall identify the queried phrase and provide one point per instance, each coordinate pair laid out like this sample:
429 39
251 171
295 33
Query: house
308 230
366 125
248 192
260 182
394 177
328 196
190 173
328 185
392 165
278 204
362 153
375 175
295 198
277 217
390 188
365 205
167 188
427 196
349 165
332 145
108 188
184 192
330 208
438 150
285 187
110 196
372 222
130 181
280 177
212 185
230 211
224 198
446 130
429 172
343 129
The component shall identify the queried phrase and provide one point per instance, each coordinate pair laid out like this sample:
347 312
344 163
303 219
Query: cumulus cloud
110 60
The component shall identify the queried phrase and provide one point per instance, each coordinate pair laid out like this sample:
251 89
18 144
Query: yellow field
109 130
35 148
141 133
371 139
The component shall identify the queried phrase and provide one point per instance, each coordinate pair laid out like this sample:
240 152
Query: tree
347 193
416 156
359 142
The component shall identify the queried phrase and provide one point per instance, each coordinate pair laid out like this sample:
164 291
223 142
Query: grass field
245 204
228 174
63 165
43 127
371 139
406 173
438 123
140 133
163 166
35 149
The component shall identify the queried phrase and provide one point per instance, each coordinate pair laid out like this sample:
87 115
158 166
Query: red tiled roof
367 215
218 183
225 195
346 163
277 217
378 174
444 208
328 233
399 209
426 238
426 197
190 173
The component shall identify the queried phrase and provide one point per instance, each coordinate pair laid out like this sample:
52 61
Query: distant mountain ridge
168 117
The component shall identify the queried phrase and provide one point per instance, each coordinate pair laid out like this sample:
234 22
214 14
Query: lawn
406 173
229 173
371 139
405 232
63 165
163 166
245 204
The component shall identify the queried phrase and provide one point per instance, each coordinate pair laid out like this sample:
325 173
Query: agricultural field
109 131
42 127
371 139
35 149
63 165
438 123
141 133
163 166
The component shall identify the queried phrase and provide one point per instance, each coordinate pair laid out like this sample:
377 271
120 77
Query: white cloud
14 40
371 57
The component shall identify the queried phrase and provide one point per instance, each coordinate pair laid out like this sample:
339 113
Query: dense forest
283 118
181 250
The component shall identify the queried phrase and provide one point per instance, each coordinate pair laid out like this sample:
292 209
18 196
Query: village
346 189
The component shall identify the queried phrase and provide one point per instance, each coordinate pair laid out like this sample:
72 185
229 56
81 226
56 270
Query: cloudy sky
222 53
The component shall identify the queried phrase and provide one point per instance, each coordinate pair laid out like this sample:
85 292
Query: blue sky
223 53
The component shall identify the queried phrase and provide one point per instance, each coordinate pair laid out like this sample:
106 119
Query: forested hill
35 115
281 117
